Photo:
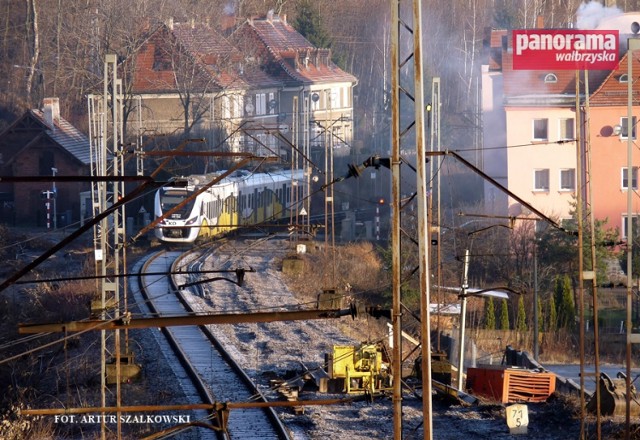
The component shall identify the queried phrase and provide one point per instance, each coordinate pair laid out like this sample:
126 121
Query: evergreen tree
521 318
309 23
490 315
504 315
540 316
505 14
552 322
564 300
558 249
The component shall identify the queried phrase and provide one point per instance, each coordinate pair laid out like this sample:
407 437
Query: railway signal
47 196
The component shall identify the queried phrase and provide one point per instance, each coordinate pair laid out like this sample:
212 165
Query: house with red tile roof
42 143
260 90
535 152
535 155
541 143
316 96
608 122
187 79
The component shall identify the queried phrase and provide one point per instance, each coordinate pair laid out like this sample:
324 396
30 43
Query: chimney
51 110
270 15
283 18
169 23
540 22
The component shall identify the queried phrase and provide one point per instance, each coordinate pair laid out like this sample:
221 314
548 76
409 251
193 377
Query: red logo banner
566 49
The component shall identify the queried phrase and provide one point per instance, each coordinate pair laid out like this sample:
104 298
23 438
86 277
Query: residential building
539 155
315 96
608 119
42 143
261 90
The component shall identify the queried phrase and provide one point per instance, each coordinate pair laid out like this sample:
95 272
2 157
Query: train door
268 203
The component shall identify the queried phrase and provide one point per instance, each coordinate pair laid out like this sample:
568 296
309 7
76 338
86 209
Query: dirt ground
286 345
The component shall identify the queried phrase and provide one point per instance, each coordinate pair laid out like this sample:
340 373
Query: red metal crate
510 385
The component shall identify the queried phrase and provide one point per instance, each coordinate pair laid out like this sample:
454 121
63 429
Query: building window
541 180
237 105
226 107
568 179
550 78
261 104
624 127
566 129
634 178
272 103
540 129
45 163
346 96
623 78
334 96
634 224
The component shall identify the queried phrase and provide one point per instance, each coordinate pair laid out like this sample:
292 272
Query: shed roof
67 136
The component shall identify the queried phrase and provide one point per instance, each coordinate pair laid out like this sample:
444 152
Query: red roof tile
613 92
532 82
264 53
289 56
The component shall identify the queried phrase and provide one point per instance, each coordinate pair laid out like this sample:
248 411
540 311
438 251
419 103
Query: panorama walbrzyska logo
565 49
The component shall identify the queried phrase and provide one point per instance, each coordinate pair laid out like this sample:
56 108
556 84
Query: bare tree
33 37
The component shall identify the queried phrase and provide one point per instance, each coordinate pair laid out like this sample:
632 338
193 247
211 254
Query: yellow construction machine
361 369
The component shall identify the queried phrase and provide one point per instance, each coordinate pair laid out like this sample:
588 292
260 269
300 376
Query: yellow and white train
241 199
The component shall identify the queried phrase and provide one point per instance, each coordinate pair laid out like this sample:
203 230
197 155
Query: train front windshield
170 198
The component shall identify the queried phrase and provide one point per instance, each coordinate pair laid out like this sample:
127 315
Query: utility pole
396 317
632 338
414 93
105 135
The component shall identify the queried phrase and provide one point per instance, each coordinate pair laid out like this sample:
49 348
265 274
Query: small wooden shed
42 143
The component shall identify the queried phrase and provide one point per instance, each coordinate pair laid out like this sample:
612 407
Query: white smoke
590 14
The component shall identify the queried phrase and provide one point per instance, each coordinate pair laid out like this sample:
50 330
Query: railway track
207 372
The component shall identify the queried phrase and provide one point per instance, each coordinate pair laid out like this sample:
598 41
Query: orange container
510 385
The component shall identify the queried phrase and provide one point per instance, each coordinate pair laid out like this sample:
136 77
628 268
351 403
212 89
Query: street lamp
464 293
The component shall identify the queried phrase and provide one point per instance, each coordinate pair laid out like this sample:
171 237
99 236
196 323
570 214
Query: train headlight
192 220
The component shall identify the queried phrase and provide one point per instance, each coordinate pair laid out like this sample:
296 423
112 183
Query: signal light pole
48 196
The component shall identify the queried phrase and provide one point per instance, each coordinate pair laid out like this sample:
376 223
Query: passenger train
241 199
